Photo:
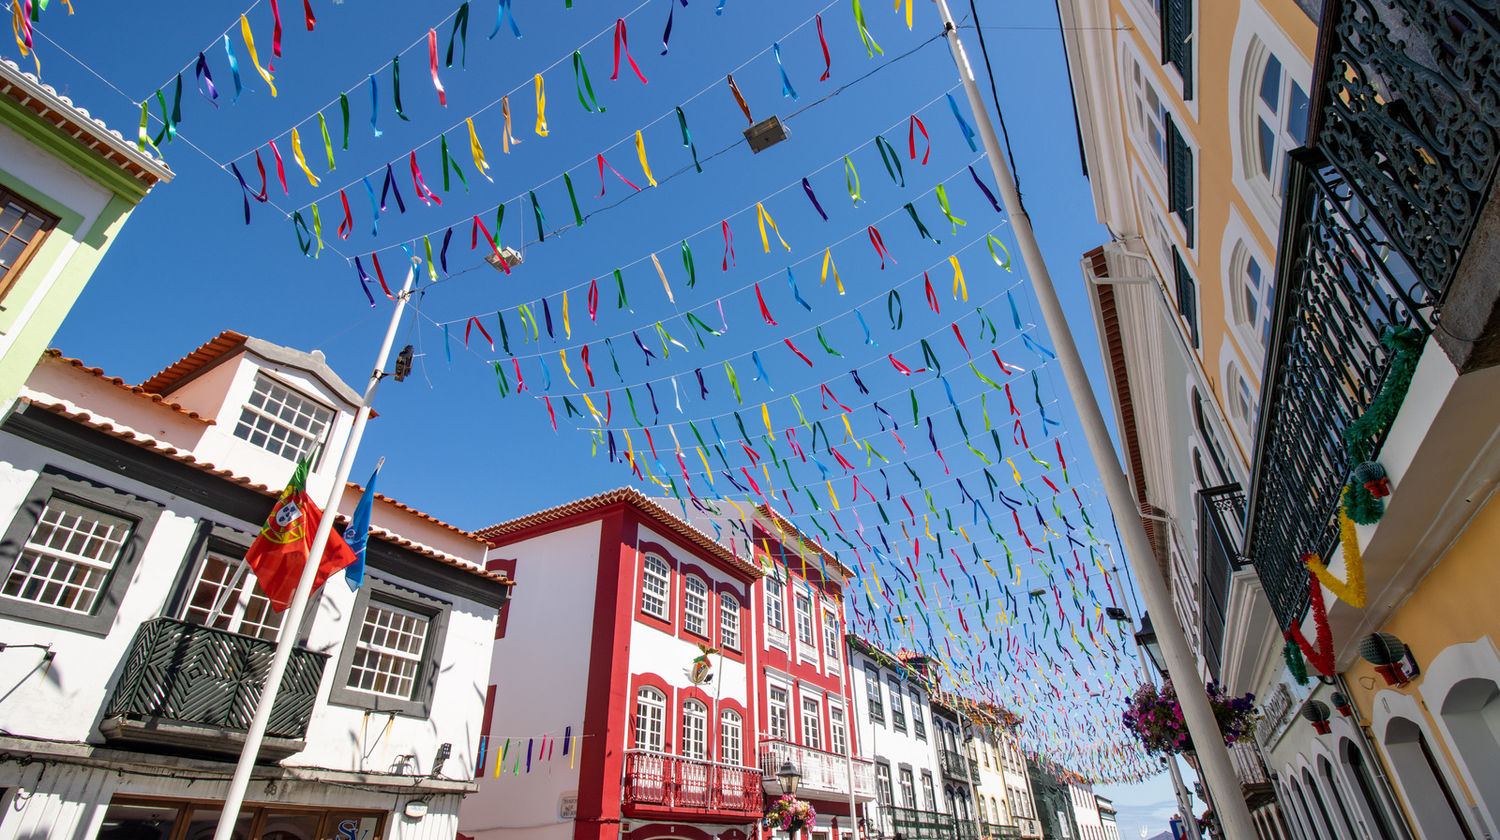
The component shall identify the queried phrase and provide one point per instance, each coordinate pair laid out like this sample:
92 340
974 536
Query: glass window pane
205 820
1296 117
138 822
290 826
1270 84
10 251
1267 147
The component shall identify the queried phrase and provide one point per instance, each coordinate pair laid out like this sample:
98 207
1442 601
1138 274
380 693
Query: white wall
540 670
882 742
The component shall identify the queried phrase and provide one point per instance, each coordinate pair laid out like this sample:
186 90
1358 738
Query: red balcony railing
671 781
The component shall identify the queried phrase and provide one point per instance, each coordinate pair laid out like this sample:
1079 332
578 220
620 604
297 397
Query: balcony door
225 596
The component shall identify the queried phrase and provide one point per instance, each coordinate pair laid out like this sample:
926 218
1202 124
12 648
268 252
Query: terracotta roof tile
623 495
770 513
182 368
134 389
419 514
178 455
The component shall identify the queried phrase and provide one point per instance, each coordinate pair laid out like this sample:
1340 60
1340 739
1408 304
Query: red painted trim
506 566
684 571
489 712
601 763
674 586
656 681
668 828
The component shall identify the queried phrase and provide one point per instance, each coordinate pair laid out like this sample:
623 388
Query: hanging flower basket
791 814
1154 716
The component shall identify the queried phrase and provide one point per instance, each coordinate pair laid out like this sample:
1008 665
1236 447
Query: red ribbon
548 401
603 163
474 231
824 390
594 301
276 32
280 170
308 13
827 61
961 342
905 371
799 353
380 275
932 301
521 385
620 42
262 167
1003 366
474 322
421 187
346 227
911 139
432 59
764 312
1011 400
586 369
728 244
879 243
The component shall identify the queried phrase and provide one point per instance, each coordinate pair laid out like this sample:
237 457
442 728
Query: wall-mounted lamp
415 809
1341 703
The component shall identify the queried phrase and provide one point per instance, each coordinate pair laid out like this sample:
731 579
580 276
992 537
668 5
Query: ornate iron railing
1221 526
672 781
1403 145
822 772
953 764
187 673
997 831
911 824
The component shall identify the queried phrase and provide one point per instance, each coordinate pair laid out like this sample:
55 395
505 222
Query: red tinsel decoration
1321 656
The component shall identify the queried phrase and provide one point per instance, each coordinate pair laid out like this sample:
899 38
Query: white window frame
694 743
374 657
656 601
695 605
233 602
1277 118
279 414
779 726
650 719
898 707
775 591
838 732
812 722
731 738
729 621
831 637
908 784
39 585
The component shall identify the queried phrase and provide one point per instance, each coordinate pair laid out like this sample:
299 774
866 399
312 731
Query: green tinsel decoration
1406 346
1294 662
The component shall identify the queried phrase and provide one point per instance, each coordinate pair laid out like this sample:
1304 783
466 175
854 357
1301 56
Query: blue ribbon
760 369
364 280
504 13
984 189
374 105
245 190
796 295
666 34
374 207
448 345
206 78
234 67
786 83
806 187
868 340
963 126
546 374
443 257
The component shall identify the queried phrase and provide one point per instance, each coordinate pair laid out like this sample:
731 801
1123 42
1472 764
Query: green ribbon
930 358
317 229
687 264
687 139
851 179
620 301
461 29
892 161
449 161
942 197
142 139
577 216
499 217
299 226
915 421
504 335
734 383
541 220
697 323
921 228
344 108
327 144
168 130
396 86
582 83
630 398
992 243
893 309
501 381
864 33
823 341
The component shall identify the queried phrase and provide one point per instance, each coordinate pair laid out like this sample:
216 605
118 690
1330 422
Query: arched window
694 730
650 710
1325 769
1317 800
1254 294
1471 710
1279 116
1417 771
730 741
729 621
656 587
1241 399
1353 758
695 605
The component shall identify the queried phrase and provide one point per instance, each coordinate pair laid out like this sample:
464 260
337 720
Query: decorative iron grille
912 824
187 673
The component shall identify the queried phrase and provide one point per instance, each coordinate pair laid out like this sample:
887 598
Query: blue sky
187 265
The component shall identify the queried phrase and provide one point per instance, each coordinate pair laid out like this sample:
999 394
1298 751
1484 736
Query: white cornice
1088 43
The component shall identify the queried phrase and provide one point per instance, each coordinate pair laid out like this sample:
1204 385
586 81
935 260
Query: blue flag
357 535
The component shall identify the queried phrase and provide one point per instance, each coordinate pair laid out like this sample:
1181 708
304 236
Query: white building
1086 811
135 641
1109 829
1004 794
893 719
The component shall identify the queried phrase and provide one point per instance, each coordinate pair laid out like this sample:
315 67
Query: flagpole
1181 666
292 618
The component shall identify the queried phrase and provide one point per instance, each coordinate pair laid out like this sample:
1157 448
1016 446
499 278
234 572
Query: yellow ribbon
506 137
832 497
478 152
848 431
762 217
1353 590
567 328
828 263
707 470
541 107
302 161
598 415
663 275
640 150
908 12
250 48
958 279
431 269
563 356
765 414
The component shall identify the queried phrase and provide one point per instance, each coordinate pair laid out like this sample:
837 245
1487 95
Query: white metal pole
1222 782
292 618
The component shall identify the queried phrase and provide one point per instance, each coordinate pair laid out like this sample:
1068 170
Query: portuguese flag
286 540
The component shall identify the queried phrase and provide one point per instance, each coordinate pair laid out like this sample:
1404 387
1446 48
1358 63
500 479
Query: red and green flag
285 541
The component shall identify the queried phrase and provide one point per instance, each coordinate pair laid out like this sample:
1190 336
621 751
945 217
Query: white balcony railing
822 772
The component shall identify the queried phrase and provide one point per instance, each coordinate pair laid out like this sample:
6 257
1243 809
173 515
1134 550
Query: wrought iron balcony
822 772
189 687
996 831
1403 142
911 824
685 785
1221 527
954 765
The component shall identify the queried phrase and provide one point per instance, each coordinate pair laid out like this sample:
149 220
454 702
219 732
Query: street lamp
788 777
1146 638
